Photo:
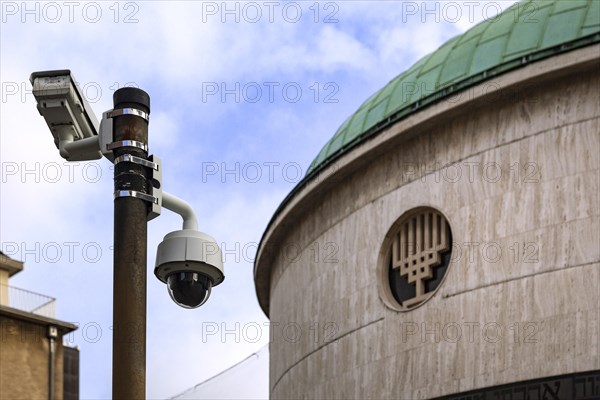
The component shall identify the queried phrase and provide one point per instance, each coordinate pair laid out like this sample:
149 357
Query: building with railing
33 361
28 301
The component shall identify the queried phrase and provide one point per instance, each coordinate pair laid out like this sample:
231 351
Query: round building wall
513 165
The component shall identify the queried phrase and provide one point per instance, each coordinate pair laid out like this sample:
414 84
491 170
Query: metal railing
28 301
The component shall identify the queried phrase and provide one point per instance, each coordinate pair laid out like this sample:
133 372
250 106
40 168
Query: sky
243 97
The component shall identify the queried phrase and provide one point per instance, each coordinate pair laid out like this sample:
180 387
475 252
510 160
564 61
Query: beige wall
3 287
24 349
8 267
530 313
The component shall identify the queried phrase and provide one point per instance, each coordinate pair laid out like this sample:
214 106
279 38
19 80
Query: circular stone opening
414 258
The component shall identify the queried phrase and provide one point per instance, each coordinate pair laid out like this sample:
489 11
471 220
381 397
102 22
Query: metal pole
130 244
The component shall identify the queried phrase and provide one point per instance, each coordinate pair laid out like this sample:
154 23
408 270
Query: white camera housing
67 113
190 263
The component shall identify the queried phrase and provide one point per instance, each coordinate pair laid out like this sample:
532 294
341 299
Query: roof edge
64 327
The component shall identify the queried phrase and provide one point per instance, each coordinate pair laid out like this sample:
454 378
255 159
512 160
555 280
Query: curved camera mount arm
182 208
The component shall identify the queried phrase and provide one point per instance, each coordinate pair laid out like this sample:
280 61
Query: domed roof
526 32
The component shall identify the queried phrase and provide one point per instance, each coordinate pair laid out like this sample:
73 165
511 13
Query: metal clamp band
127 143
139 195
136 160
128 111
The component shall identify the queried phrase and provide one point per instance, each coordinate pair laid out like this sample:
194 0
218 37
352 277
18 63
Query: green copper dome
526 32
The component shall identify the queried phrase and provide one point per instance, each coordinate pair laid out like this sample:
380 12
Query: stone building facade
507 153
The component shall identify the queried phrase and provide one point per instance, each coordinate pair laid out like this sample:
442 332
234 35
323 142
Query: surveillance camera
67 113
190 263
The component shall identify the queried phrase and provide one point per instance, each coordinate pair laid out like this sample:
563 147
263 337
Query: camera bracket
135 193
136 160
155 198
105 136
127 111
127 143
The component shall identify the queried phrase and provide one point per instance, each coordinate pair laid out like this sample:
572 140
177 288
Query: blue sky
243 97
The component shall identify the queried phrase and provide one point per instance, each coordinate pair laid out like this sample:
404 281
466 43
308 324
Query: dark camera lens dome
189 289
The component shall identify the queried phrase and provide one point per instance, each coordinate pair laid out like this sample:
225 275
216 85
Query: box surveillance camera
63 106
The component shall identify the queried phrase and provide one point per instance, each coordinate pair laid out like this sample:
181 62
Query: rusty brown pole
130 135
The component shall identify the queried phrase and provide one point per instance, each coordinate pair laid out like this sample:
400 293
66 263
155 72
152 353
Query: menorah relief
418 248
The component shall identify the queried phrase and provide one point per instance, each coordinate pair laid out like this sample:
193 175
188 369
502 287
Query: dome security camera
190 263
